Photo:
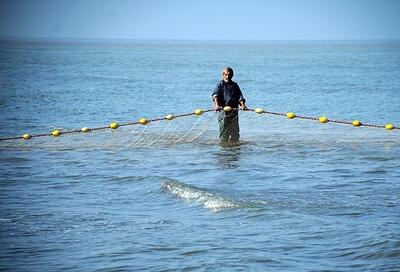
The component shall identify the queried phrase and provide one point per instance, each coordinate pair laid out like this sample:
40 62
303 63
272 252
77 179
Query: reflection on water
228 156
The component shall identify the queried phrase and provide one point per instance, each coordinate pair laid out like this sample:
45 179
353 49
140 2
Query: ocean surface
294 195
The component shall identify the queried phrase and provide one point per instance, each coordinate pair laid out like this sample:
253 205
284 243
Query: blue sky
201 19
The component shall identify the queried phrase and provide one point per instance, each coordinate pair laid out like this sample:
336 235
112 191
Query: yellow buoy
56 133
143 121
169 117
323 119
26 136
198 112
389 126
291 115
227 109
259 111
114 125
85 129
356 123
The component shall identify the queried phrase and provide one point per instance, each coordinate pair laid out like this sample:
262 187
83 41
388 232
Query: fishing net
202 127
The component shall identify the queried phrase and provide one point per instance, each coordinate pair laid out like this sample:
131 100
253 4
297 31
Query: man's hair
230 70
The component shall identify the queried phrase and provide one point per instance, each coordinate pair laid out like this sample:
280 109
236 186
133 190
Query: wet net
256 125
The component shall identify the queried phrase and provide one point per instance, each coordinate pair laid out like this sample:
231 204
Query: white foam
209 200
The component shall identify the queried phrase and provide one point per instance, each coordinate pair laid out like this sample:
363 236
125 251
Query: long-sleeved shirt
228 94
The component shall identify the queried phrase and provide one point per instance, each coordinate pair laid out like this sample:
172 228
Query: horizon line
45 38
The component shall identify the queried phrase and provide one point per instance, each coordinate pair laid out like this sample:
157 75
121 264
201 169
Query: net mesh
192 128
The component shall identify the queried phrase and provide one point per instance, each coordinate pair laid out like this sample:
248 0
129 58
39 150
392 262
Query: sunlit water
293 195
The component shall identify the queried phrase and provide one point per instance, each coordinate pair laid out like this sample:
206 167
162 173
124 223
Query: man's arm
215 97
217 107
242 100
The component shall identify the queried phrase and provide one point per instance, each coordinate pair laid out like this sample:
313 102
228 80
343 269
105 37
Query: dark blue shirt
228 93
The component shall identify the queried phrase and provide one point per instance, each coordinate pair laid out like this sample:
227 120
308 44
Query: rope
144 121
330 120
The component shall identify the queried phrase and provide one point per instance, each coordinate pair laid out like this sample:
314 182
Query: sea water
294 195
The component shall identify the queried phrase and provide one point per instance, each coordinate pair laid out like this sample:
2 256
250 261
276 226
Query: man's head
227 73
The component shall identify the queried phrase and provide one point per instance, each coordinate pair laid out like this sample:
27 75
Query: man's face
226 74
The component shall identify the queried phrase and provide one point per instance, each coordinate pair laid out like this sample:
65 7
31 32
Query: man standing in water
228 93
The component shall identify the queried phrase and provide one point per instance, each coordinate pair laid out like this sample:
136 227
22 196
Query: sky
201 19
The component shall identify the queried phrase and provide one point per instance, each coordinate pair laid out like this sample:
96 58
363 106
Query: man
228 93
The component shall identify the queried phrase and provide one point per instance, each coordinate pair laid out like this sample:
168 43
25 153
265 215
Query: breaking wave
212 201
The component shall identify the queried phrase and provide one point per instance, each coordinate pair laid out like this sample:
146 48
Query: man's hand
243 107
217 108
